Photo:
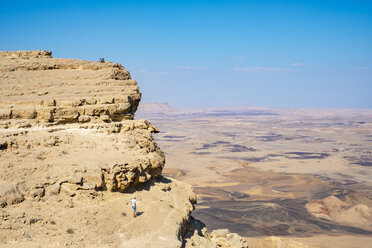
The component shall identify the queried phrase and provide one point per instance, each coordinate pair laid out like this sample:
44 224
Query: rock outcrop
67 127
198 236
72 156
37 89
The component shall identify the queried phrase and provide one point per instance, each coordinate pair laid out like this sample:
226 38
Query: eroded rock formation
41 149
72 156
38 89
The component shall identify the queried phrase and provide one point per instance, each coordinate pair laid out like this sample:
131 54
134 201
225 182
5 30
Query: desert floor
304 174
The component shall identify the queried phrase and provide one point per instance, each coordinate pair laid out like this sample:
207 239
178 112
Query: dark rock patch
306 155
275 217
174 137
200 153
248 159
273 137
240 148
363 160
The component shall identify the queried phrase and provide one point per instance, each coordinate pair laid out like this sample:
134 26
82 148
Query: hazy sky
212 53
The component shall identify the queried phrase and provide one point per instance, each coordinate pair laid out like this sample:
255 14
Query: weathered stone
90 101
69 189
38 192
26 54
54 189
90 83
105 118
106 100
220 233
74 179
10 193
66 115
62 162
236 240
95 178
4 145
24 113
2 203
88 186
49 102
84 118
5 114
45 114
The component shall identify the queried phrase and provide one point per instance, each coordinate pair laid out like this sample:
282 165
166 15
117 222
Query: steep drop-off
72 156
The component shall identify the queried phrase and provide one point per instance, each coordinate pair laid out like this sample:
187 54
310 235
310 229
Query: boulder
9 194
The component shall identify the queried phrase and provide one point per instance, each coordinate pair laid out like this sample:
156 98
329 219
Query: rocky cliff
39 90
69 124
72 156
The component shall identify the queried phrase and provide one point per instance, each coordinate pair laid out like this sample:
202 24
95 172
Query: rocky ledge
37 89
72 156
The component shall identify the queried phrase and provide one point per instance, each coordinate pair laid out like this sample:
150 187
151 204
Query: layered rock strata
89 157
67 126
37 89
72 157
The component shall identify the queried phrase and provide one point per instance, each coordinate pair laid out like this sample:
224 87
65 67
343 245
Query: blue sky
313 54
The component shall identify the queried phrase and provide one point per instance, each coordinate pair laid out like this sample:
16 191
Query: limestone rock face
100 218
198 236
72 156
70 153
77 159
9 194
26 54
38 89
66 127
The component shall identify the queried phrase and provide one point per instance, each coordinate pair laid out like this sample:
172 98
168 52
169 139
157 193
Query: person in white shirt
134 205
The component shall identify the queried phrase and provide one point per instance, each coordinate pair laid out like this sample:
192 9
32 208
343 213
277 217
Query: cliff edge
72 157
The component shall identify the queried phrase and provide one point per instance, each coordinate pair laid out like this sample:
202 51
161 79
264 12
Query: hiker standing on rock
134 205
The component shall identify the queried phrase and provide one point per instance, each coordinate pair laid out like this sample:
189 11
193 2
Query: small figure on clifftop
102 60
134 205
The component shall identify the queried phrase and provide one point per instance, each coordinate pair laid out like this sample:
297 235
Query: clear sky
315 53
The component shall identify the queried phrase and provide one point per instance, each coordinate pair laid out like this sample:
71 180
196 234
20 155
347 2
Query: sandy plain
301 173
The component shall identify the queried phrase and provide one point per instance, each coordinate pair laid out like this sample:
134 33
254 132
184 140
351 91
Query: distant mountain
145 109
159 109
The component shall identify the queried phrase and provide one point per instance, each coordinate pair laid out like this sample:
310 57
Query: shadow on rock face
164 181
